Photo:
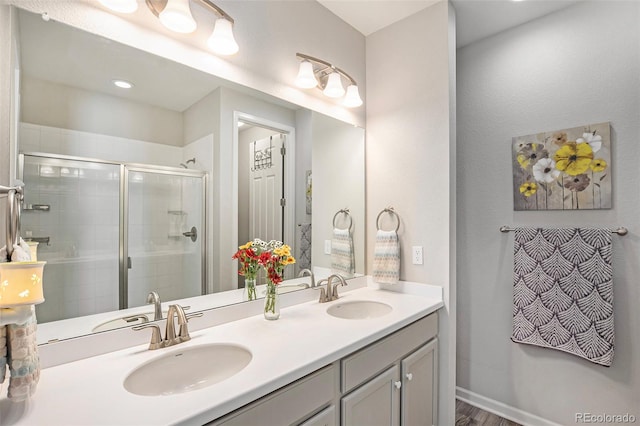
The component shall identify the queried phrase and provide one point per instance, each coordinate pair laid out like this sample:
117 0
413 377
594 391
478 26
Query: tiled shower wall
81 276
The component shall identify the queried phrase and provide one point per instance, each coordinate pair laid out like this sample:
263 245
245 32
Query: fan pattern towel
563 291
386 258
342 256
305 246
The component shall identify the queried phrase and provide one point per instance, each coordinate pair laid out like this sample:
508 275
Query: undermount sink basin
189 369
359 309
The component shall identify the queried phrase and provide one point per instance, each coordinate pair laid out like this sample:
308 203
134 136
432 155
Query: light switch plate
327 246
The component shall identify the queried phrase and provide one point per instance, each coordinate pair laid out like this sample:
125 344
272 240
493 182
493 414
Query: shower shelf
37 207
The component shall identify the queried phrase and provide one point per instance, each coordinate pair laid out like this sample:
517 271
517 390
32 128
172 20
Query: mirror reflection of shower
191 160
113 231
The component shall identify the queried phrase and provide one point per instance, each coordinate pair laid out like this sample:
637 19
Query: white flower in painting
592 139
545 170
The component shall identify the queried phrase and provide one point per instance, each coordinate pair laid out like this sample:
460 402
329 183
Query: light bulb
334 88
121 6
352 98
177 16
306 78
222 41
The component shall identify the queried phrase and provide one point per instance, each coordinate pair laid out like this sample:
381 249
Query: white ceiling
475 19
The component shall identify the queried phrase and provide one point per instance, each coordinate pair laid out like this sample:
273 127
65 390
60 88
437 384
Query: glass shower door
71 208
166 234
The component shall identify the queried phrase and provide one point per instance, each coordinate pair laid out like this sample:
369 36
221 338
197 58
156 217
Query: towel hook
390 211
343 211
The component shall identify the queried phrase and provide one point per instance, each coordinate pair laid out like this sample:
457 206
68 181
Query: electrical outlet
327 246
416 255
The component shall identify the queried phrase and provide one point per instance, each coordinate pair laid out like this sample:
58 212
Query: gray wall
578 66
410 159
57 105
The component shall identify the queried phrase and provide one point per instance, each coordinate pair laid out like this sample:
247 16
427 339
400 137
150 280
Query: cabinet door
326 417
419 386
376 403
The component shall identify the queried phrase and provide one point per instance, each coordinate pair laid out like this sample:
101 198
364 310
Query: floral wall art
563 170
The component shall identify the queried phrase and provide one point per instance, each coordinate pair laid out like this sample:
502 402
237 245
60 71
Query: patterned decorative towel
563 291
3 352
23 360
304 262
386 258
342 256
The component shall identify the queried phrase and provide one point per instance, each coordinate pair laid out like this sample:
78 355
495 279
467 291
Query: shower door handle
193 234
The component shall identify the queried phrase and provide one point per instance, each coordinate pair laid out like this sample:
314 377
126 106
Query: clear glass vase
271 302
249 292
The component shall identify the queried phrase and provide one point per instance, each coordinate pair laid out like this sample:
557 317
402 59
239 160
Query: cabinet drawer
326 417
290 404
366 363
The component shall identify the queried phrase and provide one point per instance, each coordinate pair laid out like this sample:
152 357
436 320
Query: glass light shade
306 78
334 88
352 98
177 16
222 41
21 283
122 6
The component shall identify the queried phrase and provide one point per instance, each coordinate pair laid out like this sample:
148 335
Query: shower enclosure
112 232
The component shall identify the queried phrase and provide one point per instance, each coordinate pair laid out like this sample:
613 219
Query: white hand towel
21 253
342 256
386 258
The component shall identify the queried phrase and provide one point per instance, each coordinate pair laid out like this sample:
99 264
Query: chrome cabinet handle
409 376
397 384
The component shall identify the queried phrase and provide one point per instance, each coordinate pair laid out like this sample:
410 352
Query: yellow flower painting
566 169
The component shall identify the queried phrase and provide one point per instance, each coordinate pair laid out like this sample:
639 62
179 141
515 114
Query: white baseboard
501 409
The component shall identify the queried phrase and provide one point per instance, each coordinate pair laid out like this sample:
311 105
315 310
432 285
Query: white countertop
304 339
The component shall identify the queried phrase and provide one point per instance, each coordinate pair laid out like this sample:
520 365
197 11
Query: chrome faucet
307 272
170 337
154 298
331 292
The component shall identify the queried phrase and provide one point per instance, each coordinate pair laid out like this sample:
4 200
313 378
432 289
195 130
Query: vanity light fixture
176 15
315 72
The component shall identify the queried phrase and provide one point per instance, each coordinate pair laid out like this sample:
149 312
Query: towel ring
343 211
390 211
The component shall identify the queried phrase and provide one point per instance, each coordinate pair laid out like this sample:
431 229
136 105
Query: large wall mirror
153 187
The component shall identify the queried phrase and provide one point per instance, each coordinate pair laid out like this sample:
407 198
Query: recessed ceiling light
123 84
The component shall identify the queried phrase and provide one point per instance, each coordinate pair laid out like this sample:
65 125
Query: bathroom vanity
369 357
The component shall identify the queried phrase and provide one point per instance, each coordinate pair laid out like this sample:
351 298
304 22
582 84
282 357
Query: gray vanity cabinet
404 393
391 382
292 403
326 417
376 403
419 400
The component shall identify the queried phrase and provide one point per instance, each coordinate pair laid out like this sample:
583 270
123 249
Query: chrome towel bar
620 230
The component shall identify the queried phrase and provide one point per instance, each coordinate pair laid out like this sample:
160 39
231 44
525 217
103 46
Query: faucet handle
323 294
156 336
334 293
183 333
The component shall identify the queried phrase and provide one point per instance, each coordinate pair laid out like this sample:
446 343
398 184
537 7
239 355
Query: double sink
201 366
